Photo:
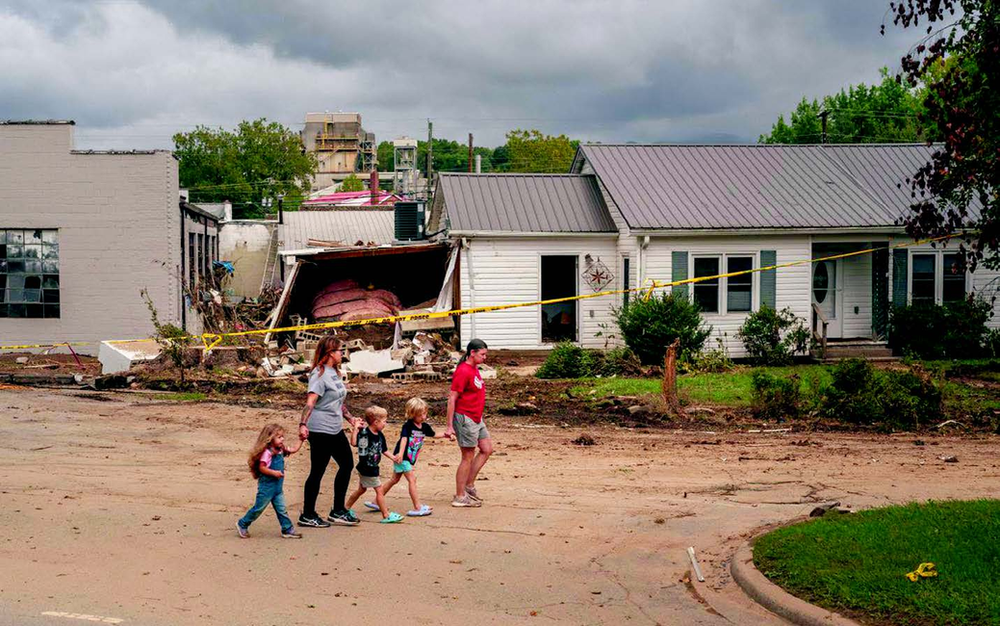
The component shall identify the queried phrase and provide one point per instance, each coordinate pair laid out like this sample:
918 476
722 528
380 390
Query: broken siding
508 271
793 284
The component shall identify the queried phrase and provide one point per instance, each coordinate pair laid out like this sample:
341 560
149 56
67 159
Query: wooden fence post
670 378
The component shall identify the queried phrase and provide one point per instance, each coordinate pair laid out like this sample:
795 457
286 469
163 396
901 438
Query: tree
960 62
258 160
532 151
888 112
352 183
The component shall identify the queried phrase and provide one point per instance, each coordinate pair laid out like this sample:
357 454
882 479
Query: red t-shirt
471 391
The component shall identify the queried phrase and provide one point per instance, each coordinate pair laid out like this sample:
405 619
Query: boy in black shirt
370 443
411 439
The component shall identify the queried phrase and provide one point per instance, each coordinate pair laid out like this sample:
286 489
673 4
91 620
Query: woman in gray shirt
322 424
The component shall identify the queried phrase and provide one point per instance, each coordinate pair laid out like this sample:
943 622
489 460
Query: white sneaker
465 501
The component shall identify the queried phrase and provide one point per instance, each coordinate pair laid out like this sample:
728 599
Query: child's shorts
370 482
402 468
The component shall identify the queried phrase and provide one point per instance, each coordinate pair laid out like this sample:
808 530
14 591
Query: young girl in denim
267 464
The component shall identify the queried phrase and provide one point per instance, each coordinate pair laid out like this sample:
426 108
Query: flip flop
393 518
371 506
422 511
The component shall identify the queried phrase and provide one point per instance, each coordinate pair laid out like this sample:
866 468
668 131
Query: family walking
323 423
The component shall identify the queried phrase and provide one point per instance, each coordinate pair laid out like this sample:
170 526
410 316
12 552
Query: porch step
856 348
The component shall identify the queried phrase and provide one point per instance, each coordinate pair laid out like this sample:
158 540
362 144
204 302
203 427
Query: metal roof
524 203
886 170
734 187
348 227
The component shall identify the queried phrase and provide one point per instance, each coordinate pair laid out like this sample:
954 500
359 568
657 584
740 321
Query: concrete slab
119 357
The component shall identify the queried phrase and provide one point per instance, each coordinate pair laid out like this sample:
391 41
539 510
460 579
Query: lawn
857 563
727 388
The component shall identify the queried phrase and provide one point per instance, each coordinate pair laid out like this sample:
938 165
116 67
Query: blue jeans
268 492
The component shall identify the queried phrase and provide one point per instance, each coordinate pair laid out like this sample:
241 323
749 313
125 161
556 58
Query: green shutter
769 279
900 261
679 271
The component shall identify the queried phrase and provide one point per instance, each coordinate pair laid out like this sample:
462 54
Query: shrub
861 394
956 330
648 327
712 361
775 397
567 360
617 362
773 337
991 344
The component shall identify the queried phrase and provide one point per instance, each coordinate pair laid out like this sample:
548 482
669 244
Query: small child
267 464
411 439
370 443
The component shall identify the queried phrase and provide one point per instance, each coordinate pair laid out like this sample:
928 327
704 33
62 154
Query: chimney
373 187
227 211
479 164
185 195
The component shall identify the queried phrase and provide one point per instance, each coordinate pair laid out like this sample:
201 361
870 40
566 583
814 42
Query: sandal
421 512
393 518
371 506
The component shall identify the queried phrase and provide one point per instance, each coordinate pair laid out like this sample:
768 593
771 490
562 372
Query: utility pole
823 114
430 155
470 153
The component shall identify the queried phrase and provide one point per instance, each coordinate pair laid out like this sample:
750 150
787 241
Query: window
626 284
953 278
192 262
937 277
706 292
29 273
739 289
559 280
923 278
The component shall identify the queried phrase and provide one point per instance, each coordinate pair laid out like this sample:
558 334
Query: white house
670 212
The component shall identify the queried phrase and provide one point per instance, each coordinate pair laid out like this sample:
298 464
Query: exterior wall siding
508 270
792 284
118 225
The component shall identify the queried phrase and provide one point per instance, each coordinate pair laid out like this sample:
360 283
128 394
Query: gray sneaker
290 534
465 501
473 494
242 531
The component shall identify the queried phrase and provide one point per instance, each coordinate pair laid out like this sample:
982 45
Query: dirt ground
123 506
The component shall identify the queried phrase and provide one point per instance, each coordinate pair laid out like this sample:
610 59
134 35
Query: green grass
727 388
181 396
858 562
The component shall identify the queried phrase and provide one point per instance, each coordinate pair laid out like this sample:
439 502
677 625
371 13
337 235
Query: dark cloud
630 70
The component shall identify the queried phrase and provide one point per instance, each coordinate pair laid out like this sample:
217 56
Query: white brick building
83 232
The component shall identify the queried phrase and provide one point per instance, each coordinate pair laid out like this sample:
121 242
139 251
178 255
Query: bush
861 394
712 361
956 330
648 327
617 362
775 398
773 337
991 344
567 360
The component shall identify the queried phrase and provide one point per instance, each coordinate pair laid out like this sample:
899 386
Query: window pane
33 267
953 288
50 267
50 282
923 277
32 295
32 282
15 236
3 249
51 310
15 251
739 289
706 293
32 236
15 281
15 310
15 295
49 236
50 296
33 310
15 267
50 251
3 307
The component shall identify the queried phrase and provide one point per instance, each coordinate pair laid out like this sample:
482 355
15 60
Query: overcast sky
133 72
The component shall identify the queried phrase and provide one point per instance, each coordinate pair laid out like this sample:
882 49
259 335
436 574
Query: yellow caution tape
32 346
924 570
211 340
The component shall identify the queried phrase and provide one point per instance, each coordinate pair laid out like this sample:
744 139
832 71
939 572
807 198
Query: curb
776 599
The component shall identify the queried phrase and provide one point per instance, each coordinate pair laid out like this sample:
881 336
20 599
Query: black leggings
321 448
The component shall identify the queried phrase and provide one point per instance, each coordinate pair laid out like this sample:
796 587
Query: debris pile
346 300
425 357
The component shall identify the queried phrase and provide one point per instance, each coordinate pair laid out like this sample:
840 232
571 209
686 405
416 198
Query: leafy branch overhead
959 59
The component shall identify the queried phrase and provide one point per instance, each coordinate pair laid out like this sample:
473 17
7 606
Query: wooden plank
282 305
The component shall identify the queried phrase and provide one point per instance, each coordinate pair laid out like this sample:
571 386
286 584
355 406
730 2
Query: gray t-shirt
328 414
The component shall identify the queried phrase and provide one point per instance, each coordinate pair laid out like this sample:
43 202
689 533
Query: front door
827 295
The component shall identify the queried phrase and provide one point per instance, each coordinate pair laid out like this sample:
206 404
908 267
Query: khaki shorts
370 482
467 432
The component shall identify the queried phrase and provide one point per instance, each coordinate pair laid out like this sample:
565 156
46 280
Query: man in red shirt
465 422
